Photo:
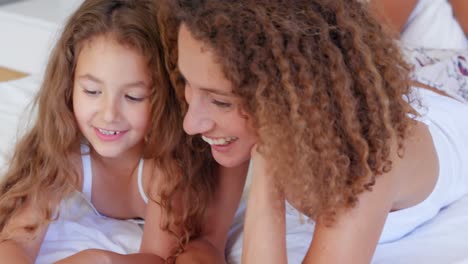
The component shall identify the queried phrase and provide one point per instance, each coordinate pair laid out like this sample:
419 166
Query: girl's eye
134 98
91 92
221 104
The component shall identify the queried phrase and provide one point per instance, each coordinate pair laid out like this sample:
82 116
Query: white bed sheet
15 97
442 240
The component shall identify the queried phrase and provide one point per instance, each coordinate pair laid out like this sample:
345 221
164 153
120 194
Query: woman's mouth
219 141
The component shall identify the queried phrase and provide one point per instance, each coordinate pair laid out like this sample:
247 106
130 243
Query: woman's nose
197 120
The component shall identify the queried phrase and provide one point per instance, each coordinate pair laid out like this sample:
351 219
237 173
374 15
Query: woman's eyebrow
216 91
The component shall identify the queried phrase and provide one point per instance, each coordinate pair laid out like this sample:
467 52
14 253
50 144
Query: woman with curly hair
317 95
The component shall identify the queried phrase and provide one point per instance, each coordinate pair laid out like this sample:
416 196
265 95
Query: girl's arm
264 230
15 252
460 10
155 240
395 13
108 257
20 248
209 248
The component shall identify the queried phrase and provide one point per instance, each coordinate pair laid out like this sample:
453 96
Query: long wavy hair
40 169
324 83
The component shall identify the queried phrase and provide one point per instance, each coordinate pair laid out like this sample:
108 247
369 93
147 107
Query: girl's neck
124 162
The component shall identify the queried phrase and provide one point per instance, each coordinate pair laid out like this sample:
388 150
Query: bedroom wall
28 30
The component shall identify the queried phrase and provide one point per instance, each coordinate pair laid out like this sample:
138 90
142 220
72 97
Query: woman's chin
230 162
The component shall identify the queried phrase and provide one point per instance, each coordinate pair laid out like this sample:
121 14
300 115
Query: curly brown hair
324 82
40 168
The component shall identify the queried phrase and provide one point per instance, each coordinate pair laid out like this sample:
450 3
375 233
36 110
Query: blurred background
28 30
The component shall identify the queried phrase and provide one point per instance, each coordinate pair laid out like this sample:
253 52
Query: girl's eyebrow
90 77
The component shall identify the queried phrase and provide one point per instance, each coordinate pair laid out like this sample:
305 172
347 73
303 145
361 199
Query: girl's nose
110 110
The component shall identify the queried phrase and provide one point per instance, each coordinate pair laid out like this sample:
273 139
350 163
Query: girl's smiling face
111 96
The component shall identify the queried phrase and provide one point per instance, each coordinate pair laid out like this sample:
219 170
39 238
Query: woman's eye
181 79
221 104
134 98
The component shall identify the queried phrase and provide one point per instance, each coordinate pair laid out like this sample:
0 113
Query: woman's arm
395 13
460 10
264 230
355 234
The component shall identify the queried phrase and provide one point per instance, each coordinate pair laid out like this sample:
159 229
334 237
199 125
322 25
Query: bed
442 240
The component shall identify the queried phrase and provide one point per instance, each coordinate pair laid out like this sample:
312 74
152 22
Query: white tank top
447 121
80 226
88 175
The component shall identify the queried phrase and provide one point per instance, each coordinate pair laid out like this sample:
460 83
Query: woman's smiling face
214 111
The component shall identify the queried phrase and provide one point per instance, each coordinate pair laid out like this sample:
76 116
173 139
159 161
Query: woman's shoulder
416 172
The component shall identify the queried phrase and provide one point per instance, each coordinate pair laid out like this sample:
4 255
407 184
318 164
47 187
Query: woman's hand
258 161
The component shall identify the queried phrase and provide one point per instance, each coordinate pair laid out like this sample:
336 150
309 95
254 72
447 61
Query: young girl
109 128
316 93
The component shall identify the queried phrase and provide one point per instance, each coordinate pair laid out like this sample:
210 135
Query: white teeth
108 132
219 141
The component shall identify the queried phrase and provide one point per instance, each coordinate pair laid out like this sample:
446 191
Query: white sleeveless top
88 175
447 121
80 226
